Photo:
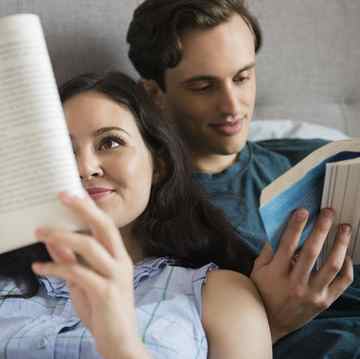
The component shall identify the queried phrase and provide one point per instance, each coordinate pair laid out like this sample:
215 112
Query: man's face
211 93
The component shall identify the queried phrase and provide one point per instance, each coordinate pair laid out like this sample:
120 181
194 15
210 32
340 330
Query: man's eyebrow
102 130
210 78
247 67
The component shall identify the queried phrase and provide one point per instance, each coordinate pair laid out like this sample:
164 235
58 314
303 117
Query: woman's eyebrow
102 130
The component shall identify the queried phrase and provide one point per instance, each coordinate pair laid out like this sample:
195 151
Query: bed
308 73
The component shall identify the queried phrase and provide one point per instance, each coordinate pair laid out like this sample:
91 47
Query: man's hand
292 292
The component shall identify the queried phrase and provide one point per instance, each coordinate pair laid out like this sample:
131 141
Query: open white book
36 157
342 192
328 177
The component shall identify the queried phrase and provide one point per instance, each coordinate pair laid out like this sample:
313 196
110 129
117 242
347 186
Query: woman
141 279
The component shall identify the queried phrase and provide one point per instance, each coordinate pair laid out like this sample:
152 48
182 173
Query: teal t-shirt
237 189
335 333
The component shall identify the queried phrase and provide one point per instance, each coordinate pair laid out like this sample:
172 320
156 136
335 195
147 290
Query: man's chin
230 149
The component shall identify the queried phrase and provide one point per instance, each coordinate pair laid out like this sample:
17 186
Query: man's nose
229 103
89 165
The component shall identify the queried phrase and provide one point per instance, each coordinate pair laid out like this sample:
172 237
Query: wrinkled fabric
168 307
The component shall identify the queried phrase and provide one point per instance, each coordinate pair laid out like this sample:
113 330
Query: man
197 60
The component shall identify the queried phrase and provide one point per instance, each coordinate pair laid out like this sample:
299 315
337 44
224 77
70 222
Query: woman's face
115 166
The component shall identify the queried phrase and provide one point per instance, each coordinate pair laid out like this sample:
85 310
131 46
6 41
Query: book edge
294 174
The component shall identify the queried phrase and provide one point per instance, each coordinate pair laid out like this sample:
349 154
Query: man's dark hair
155 31
178 222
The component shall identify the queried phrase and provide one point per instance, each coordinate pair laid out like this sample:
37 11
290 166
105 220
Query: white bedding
271 129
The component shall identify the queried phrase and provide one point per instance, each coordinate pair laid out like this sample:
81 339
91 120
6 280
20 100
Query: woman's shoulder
226 287
228 279
227 294
232 305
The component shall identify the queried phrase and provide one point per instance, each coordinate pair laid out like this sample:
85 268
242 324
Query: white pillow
271 129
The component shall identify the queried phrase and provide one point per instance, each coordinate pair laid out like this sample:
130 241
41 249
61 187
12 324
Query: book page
351 210
326 199
354 250
35 151
333 197
341 192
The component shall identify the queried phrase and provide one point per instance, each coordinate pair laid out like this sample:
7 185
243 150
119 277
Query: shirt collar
241 164
55 287
149 267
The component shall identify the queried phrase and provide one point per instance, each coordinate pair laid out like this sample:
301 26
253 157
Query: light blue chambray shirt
168 303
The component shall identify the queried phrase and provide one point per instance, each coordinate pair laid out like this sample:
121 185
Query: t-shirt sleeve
293 149
199 279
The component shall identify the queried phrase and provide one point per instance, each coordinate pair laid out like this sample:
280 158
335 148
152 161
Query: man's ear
155 93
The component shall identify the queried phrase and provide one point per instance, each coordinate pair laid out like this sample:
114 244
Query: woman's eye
110 143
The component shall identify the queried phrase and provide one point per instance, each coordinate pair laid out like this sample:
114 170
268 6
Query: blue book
303 187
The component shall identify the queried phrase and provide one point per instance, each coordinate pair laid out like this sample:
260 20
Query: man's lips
228 128
98 192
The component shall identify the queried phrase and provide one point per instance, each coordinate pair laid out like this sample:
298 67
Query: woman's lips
228 128
98 193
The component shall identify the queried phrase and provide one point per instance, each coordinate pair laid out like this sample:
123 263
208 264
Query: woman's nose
89 166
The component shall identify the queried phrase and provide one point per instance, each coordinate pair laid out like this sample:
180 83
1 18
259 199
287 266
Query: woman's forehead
91 110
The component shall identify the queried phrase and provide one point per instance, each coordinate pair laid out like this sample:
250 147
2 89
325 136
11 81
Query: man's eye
110 143
201 87
241 79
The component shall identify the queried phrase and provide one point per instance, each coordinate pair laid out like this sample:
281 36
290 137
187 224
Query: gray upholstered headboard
309 68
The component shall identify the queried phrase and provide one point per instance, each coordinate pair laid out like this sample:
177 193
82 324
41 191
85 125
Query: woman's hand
99 274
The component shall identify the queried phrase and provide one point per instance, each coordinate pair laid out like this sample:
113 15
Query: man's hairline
194 28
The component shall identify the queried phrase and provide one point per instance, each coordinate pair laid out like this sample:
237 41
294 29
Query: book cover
302 187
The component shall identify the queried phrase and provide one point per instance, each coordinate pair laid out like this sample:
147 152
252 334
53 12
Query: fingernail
328 212
345 228
301 214
66 197
41 232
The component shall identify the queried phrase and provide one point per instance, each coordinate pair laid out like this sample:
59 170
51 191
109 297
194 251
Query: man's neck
212 164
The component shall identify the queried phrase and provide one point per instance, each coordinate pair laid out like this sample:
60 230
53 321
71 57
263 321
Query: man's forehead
224 49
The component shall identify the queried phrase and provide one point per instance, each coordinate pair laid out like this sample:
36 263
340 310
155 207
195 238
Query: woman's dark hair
16 265
155 31
178 222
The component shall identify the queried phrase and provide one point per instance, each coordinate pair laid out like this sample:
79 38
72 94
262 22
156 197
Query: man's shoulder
293 149
281 144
